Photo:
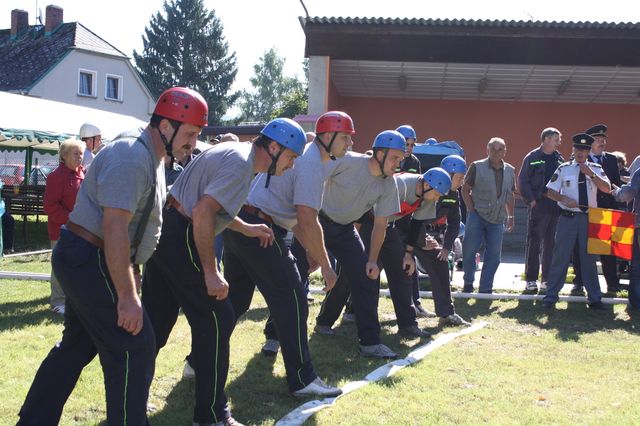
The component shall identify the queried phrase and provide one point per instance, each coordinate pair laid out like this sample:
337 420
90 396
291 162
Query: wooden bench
24 200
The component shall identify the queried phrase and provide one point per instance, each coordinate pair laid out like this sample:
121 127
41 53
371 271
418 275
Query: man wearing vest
537 168
488 194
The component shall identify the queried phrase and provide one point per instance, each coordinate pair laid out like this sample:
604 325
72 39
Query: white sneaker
453 319
378 351
423 313
543 288
319 388
530 288
188 372
270 347
58 309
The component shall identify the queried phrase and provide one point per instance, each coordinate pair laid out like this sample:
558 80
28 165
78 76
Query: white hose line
28 253
31 276
500 296
301 414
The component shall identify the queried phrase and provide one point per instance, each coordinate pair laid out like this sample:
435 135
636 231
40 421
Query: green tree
185 46
271 90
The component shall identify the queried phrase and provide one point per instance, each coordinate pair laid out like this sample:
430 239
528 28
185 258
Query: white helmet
89 130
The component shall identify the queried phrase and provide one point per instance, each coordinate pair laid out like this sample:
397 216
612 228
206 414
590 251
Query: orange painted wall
473 123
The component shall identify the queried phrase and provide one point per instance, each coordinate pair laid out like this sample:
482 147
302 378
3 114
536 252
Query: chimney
53 18
19 22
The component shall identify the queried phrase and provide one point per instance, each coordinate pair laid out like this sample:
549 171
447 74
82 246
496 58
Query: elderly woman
59 198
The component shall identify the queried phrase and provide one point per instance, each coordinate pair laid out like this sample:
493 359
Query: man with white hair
488 194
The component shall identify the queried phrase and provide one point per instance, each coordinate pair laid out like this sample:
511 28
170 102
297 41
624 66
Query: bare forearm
117 256
310 235
377 238
511 205
204 232
466 197
602 184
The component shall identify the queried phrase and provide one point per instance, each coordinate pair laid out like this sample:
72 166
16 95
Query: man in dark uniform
537 168
115 223
609 163
410 164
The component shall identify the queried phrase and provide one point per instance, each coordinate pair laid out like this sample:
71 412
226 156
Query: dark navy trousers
90 328
346 246
173 279
400 284
273 270
438 271
541 231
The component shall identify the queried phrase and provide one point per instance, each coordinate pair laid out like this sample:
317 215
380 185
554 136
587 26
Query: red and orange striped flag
610 232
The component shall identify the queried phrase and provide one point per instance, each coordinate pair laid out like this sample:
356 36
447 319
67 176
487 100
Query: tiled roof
32 54
479 23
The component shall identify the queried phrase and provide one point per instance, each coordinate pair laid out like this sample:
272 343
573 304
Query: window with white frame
87 83
113 87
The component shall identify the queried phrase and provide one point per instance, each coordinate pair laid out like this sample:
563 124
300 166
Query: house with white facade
67 62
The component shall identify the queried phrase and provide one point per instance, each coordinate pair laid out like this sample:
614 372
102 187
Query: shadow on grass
257 396
570 323
17 315
178 409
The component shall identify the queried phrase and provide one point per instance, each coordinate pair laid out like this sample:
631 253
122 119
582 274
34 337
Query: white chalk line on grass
305 411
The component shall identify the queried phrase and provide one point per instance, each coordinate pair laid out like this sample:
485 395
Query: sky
253 26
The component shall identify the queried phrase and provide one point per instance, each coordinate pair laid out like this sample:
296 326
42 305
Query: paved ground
508 276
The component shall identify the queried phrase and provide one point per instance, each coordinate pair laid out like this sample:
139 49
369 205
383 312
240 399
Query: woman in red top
59 198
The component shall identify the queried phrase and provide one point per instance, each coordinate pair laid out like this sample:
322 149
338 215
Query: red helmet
335 121
183 105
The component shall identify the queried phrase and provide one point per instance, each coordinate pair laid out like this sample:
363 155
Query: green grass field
572 366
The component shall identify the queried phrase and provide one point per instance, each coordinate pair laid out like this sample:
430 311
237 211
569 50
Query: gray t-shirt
121 177
303 185
406 183
351 191
224 173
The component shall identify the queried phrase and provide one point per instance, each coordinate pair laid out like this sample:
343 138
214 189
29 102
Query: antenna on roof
39 16
305 9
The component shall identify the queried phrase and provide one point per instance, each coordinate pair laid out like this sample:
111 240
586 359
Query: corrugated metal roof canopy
479 59
427 80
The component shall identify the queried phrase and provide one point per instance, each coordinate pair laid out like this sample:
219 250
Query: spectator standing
627 193
609 163
575 185
91 135
487 191
537 168
60 194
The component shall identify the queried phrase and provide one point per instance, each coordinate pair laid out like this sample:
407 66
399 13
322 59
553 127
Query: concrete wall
61 84
473 123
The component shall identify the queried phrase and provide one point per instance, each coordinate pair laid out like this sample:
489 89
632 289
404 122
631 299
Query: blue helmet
431 141
390 139
454 164
407 131
287 133
438 179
